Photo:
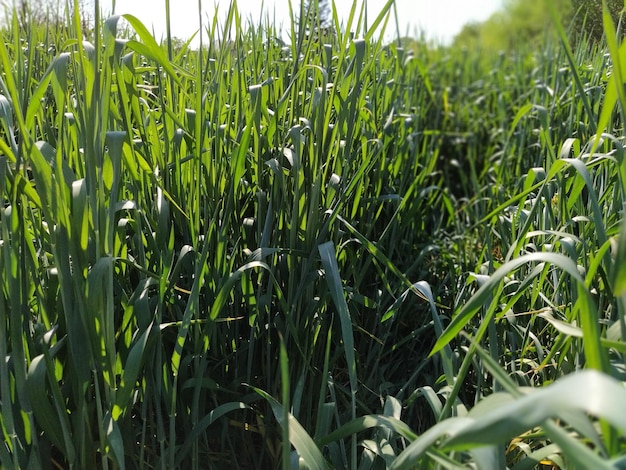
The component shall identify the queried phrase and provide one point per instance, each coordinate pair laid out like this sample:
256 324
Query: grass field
332 252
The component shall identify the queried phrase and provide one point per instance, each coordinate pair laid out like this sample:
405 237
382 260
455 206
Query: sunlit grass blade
500 420
467 312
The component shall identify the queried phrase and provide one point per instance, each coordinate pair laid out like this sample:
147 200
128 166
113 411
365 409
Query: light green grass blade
149 48
619 266
362 423
469 310
588 391
284 376
134 361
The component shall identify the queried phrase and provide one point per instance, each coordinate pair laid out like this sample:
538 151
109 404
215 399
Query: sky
440 20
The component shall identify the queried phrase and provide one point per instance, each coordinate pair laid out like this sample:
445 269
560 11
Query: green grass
344 253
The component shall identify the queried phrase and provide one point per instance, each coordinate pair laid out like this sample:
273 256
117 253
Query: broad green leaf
588 391
134 361
115 442
55 425
150 49
329 261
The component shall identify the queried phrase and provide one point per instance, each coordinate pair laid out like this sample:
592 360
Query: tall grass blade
308 451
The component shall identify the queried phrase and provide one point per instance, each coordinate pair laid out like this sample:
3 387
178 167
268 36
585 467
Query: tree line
528 21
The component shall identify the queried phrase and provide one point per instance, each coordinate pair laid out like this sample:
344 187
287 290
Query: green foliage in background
587 17
517 22
44 13
529 22
309 254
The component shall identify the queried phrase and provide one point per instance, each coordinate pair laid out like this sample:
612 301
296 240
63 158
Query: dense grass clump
331 252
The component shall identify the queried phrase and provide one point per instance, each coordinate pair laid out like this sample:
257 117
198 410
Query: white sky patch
440 20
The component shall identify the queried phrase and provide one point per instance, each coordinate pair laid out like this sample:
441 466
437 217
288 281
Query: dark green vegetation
328 253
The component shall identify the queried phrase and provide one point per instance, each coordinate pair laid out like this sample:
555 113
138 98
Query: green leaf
152 50
304 444
131 369
619 265
467 312
230 282
202 425
54 424
368 422
588 392
115 442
